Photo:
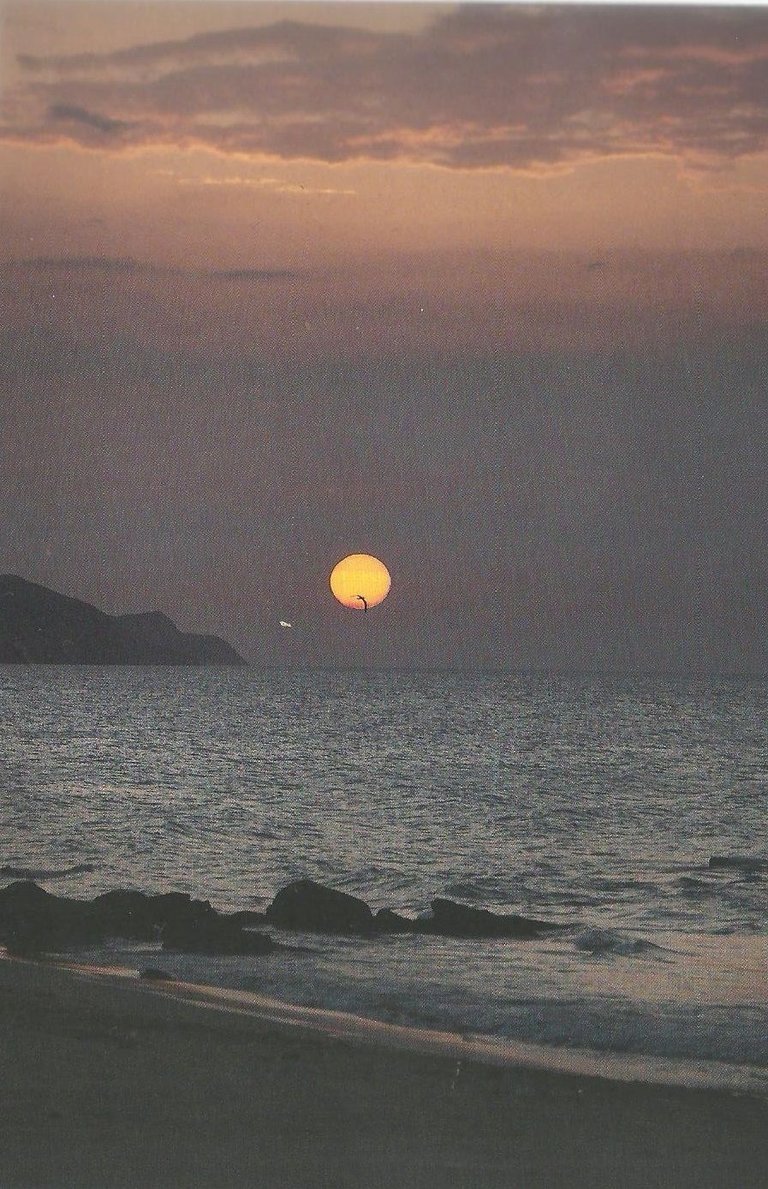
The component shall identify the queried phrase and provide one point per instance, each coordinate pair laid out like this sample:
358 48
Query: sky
480 290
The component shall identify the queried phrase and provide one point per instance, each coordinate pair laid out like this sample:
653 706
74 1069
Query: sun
360 581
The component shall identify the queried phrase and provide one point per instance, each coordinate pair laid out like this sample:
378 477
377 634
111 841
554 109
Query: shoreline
110 1080
484 1049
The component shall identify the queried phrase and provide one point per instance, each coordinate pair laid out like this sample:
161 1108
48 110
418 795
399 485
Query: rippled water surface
594 801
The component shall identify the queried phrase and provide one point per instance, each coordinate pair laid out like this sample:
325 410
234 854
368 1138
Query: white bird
283 624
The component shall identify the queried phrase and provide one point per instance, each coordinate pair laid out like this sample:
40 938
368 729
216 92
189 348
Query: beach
109 1081
383 617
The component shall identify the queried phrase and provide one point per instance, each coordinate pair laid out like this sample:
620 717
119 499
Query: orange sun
360 581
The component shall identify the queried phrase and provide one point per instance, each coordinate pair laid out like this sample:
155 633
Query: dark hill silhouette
39 626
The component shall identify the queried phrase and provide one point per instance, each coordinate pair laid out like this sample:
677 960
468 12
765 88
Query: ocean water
595 802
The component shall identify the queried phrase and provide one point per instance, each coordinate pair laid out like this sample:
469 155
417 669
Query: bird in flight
284 624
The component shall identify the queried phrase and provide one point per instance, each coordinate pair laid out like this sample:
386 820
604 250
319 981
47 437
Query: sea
593 801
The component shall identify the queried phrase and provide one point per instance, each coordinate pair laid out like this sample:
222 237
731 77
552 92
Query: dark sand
107 1083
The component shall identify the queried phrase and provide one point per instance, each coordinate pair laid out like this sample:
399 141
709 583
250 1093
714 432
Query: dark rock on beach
309 906
388 921
215 935
35 921
247 917
306 905
178 910
126 914
140 917
459 920
32 920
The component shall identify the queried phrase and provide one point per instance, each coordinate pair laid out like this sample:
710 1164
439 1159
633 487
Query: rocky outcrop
140 917
127 914
459 920
40 626
247 918
34 921
309 906
306 905
215 935
388 921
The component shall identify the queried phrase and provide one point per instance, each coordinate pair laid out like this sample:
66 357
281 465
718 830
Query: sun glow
360 581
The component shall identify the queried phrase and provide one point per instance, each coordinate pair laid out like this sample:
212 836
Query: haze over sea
593 801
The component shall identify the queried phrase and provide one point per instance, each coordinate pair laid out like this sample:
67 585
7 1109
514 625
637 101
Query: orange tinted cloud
517 87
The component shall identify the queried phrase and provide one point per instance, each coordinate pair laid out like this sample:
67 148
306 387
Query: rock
310 906
172 909
459 920
126 914
33 920
25 917
214 935
387 921
133 914
22 896
246 917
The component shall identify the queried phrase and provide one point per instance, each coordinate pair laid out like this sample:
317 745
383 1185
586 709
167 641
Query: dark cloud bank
521 87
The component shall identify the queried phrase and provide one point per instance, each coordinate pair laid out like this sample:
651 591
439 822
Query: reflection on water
595 802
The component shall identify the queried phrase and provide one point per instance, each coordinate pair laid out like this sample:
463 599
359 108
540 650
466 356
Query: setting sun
360 581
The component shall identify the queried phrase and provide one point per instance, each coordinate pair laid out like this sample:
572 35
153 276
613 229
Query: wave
464 1044
608 941
10 872
606 884
501 891
749 864
733 888
692 885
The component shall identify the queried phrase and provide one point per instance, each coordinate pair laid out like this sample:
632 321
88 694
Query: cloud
522 87
273 185
253 274
73 114
125 265
88 264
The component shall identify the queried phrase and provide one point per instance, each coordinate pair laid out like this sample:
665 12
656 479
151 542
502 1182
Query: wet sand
117 1083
